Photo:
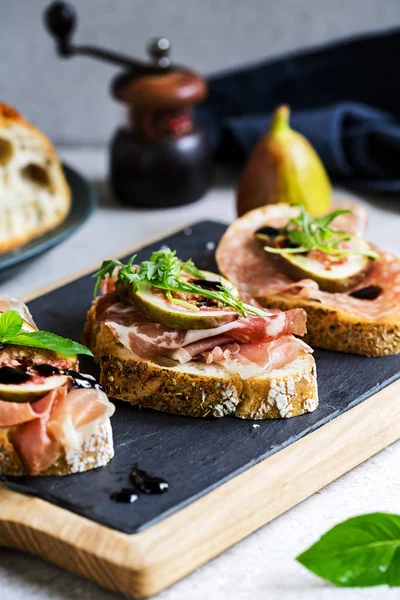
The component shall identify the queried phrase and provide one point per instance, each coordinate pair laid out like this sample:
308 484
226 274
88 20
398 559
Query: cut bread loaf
95 451
335 321
34 194
199 390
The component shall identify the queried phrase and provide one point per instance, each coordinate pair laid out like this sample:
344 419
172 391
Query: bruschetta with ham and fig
54 420
174 338
287 259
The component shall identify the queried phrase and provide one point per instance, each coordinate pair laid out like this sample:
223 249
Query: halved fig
31 390
178 314
332 274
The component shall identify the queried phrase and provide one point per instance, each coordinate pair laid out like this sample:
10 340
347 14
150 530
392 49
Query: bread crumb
310 404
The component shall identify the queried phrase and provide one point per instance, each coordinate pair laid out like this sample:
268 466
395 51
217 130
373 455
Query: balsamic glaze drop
126 495
208 285
46 370
368 293
147 483
82 381
10 375
269 231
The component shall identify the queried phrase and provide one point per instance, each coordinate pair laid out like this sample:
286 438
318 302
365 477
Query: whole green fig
284 167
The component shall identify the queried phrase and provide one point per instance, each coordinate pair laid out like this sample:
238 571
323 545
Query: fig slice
206 313
332 275
31 390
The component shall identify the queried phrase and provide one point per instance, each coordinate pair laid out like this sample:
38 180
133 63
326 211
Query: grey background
69 100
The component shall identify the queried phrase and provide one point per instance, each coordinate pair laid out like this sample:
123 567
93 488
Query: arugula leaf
11 323
306 233
107 268
49 341
360 552
165 271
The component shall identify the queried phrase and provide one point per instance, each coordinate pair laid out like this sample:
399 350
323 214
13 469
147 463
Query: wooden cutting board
226 477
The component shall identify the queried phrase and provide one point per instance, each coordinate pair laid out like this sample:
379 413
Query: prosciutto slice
15 413
251 360
242 260
149 340
9 303
32 442
40 431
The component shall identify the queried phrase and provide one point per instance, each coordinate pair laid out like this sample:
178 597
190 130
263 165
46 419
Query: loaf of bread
34 194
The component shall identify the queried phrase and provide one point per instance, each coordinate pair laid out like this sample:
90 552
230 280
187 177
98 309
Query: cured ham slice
149 340
185 354
9 303
251 360
40 431
242 260
275 354
355 222
32 442
15 413
77 410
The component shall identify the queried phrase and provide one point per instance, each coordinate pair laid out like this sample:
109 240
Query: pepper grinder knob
60 20
159 49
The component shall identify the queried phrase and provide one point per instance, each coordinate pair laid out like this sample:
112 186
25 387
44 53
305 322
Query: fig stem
280 119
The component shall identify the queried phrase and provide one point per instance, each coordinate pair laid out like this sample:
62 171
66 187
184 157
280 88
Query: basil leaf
49 341
11 324
393 572
360 552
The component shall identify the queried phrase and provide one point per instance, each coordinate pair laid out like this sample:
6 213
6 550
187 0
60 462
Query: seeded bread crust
197 389
336 330
96 451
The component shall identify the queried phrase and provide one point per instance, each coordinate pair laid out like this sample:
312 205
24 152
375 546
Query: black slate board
194 455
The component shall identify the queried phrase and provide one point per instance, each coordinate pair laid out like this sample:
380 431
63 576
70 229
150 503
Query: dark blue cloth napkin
345 98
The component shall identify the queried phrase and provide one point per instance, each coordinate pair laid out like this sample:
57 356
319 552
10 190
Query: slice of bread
96 451
334 321
34 194
335 329
199 390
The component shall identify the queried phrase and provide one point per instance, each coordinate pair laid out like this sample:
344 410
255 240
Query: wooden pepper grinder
162 158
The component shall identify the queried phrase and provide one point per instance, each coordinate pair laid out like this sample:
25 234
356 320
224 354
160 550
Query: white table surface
263 565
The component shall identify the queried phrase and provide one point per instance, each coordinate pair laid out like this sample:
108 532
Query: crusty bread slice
335 329
34 194
96 451
334 321
199 390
